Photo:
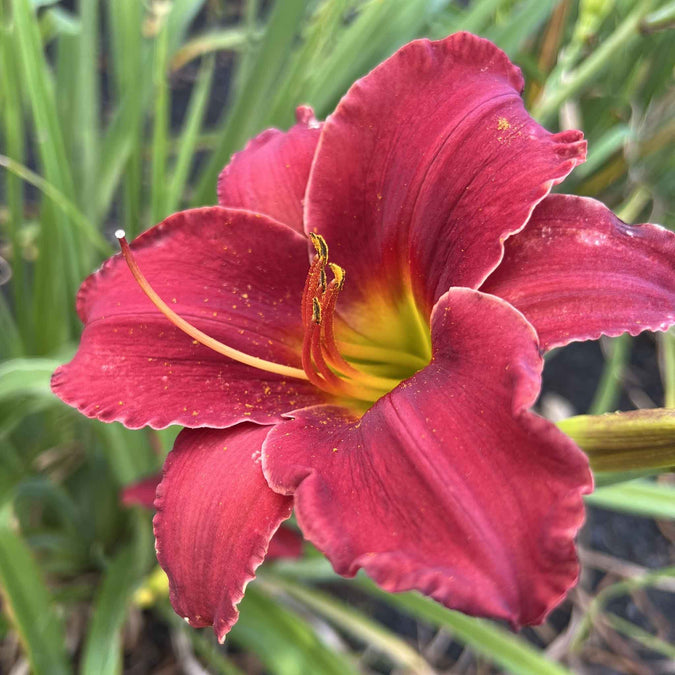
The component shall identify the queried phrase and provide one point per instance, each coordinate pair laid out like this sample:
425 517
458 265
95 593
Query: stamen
320 245
195 333
307 365
311 286
316 311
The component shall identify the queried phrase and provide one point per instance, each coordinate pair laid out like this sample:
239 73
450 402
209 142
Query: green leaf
103 649
521 23
285 642
488 639
603 58
77 218
87 107
353 622
362 44
608 389
26 376
248 108
667 353
636 440
228 39
29 604
160 124
187 146
639 497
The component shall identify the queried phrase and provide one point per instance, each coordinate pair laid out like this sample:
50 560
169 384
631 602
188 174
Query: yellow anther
322 279
338 274
320 245
316 311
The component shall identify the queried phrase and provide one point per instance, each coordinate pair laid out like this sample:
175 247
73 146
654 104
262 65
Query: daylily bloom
356 332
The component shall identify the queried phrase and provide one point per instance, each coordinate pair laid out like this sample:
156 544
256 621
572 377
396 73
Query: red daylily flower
390 408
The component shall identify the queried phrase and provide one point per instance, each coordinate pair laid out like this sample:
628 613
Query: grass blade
77 218
488 639
26 376
355 623
283 640
188 140
248 108
160 124
639 497
87 111
30 605
103 650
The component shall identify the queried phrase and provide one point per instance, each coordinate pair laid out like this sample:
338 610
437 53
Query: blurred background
119 112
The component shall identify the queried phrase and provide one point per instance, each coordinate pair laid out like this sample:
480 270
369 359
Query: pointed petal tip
304 114
578 272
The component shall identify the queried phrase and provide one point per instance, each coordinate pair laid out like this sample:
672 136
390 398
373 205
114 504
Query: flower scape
356 333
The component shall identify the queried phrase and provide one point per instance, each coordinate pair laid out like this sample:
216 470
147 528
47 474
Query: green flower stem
607 392
667 348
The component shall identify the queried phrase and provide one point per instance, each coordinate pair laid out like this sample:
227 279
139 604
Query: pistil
195 333
322 361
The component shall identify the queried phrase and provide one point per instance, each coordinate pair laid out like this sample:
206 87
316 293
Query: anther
316 311
338 275
320 245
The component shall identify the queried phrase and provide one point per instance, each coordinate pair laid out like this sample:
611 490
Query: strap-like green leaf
488 639
29 604
641 497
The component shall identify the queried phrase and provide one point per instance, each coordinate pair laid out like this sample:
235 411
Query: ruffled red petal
427 165
286 542
447 485
270 174
215 518
142 492
237 276
577 272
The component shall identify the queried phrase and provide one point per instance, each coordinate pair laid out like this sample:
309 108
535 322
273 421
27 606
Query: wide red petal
427 165
270 174
215 518
447 485
237 276
142 492
286 543
577 272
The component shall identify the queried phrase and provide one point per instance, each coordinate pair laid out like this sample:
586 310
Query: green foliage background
93 136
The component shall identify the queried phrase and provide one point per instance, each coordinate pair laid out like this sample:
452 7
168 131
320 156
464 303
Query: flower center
323 359
356 370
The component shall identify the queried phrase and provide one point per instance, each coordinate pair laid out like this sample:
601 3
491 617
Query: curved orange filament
195 333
